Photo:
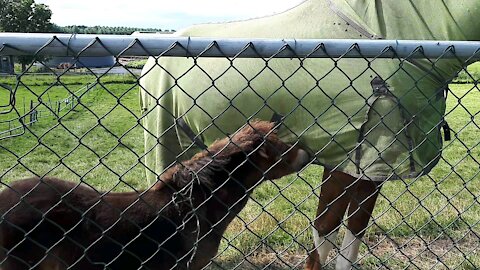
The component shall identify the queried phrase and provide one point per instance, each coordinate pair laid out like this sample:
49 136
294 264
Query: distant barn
83 61
96 62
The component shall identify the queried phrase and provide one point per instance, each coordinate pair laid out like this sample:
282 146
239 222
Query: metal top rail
146 45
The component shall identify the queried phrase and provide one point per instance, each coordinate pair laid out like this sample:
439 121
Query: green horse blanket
375 119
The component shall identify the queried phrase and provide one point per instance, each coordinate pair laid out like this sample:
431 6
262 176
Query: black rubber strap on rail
446 131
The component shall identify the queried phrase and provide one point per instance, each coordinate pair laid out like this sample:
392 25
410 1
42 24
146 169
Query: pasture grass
470 75
96 142
420 223
137 63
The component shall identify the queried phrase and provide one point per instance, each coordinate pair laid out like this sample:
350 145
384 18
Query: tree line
30 17
105 30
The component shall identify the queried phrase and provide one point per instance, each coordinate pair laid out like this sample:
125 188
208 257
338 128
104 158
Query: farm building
83 61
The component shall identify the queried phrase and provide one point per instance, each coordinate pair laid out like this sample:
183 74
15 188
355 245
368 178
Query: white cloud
160 14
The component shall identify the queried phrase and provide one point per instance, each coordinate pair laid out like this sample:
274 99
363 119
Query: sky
163 14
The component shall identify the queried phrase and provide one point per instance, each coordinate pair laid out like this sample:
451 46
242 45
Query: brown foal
50 223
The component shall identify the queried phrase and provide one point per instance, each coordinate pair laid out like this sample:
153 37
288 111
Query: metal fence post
31 113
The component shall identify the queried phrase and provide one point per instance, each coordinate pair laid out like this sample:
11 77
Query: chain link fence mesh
86 126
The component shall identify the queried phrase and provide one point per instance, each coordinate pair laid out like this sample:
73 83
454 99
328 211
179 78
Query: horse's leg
332 205
362 202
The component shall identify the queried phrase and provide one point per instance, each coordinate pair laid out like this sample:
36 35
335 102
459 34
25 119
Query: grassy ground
424 223
96 142
468 76
136 63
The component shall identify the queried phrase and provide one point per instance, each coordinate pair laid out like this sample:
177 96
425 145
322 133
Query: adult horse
367 121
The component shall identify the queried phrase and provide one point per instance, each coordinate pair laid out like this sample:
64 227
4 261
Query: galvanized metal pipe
170 45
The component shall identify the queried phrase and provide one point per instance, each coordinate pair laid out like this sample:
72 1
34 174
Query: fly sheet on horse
376 120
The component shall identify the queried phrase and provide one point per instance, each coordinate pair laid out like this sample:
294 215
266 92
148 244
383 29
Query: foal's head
253 153
257 143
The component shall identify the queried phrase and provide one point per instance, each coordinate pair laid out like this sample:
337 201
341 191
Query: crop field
430 222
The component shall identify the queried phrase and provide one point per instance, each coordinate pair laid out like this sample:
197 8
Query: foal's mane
203 165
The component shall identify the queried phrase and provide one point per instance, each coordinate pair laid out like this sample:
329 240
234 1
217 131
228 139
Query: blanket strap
189 132
446 131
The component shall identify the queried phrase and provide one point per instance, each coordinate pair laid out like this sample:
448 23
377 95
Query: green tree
25 16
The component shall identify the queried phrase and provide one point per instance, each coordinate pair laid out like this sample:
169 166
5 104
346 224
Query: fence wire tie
186 194
73 35
287 46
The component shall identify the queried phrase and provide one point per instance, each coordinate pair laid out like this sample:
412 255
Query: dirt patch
380 252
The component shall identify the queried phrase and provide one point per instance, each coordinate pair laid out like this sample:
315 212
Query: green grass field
432 222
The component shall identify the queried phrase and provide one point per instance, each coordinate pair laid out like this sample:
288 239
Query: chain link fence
401 114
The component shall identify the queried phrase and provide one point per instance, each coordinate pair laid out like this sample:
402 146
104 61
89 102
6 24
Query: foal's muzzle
302 159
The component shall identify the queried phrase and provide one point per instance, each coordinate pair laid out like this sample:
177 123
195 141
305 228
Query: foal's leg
362 202
333 202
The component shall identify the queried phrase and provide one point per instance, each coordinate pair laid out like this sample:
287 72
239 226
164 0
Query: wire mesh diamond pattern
169 168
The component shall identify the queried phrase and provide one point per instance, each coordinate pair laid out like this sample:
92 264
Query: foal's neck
225 182
231 194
